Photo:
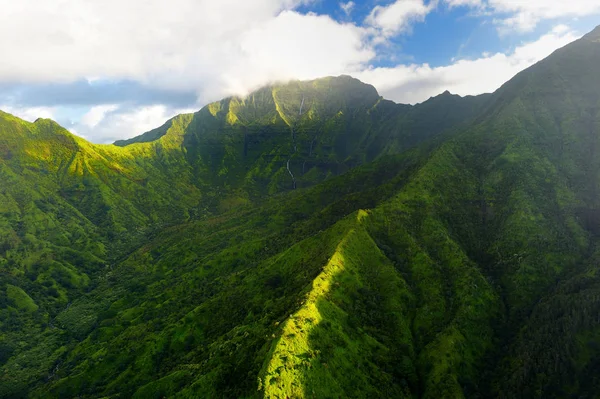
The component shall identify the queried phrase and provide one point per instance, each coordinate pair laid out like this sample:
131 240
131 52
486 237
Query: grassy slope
245 282
209 295
68 210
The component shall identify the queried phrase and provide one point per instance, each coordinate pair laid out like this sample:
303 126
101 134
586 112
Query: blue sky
113 69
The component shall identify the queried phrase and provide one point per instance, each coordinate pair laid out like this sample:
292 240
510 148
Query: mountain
312 240
300 133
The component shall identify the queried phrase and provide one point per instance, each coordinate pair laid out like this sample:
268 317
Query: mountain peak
290 100
445 94
341 83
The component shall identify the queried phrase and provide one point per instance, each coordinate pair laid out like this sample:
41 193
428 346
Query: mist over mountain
312 239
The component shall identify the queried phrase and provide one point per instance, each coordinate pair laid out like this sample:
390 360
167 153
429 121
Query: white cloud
398 16
416 83
29 114
461 3
527 14
104 123
112 123
293 46
347 7
96 114
524 15
180 44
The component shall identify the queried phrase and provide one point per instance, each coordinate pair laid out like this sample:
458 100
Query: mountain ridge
159 132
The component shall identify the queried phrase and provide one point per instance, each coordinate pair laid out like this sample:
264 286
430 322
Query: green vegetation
443 250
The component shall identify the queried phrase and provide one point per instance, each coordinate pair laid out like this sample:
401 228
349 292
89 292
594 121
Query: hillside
312 240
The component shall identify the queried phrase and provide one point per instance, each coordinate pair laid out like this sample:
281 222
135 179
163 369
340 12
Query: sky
113 69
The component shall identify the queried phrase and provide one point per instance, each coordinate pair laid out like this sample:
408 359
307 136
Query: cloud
29 114
108 123
525 15
461 3
91 92
211 47
104 123
416 83
399 16
97 114
347 7
294 46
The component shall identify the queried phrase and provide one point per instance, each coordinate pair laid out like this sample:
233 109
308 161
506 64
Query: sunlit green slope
67 201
